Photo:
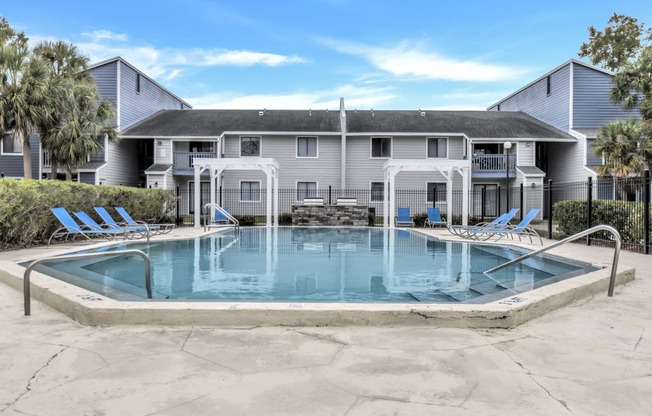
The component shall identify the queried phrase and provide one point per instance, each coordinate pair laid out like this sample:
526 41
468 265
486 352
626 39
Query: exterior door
485 199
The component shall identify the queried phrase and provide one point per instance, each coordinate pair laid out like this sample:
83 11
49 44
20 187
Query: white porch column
276 178
197 196
392 201
268 195
213 175
449 197
385 199
466 186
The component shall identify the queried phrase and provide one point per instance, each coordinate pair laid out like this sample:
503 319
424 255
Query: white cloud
248 58
410 60
319 100
100 35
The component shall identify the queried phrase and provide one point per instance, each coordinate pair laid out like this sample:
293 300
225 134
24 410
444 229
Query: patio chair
110 230
403 218
499 223
523 228
71 228
108 220
156 228
434 218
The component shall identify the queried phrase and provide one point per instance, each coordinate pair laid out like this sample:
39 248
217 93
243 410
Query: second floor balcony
182 161
493 166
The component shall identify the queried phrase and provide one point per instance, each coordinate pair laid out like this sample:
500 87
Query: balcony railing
493 164
182 161
47 162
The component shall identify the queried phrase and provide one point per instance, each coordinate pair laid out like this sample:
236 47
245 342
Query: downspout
343 132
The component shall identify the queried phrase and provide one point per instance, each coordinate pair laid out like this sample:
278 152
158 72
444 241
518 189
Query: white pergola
216 167
446 167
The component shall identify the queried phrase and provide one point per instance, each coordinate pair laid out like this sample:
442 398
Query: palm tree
86 122
80 120
23 95
626 150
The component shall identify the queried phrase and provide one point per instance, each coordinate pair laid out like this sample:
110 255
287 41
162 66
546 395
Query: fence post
550 208
646 212
521 197
330 202
589 207
178 216
221 196
434 196
498 201
483 202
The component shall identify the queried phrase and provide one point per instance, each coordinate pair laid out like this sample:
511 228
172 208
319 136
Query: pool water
316 265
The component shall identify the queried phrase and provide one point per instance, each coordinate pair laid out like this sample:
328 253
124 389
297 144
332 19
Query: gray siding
591 105
566 162
525 152
106 79
12 164
122 168
163 151
136 106
533 100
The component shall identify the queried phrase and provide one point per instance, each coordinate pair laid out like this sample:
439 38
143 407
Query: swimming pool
316 265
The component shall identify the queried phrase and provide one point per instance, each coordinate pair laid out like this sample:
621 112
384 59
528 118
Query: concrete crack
640 339
28 388
327 338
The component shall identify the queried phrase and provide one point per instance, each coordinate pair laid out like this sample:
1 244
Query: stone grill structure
330 215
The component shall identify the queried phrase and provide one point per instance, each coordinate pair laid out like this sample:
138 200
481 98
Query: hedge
626 217
26 220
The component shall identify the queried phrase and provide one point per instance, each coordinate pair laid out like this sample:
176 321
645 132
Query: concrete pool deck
593 357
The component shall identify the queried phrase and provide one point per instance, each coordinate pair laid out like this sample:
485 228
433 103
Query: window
306 147
436 189
437 147
250 146
381 147
250 191
548 85
377 191
498 107
138 83
306 190
11 145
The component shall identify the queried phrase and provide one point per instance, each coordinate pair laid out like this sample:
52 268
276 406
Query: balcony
493 166
182 161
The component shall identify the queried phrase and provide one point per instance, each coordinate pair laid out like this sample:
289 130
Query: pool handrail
223 211
32 265
603 227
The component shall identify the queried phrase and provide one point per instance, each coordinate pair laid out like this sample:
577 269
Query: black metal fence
621 203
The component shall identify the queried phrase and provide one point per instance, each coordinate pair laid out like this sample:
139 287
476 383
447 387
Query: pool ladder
28 271
614 265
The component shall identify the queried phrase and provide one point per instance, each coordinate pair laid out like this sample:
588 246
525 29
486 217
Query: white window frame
296 187
260 146
429 194
371 147
316 156
371 190
245 201
16 142
437 138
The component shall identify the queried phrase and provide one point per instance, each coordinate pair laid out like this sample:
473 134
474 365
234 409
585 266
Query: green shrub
372 220
285 219
626 217
419 219
247 220
25 217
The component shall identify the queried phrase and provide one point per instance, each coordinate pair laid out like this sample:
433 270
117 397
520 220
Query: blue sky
293 54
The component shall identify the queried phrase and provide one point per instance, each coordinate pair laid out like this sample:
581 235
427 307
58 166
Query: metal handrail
228 216
28 271
614 265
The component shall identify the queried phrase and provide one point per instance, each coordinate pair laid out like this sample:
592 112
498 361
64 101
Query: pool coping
90 308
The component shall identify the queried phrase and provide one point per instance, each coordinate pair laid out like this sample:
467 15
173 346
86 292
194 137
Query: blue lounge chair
219 217
110 230
156 228
522 228
499 223
403 218
71 228
109 221
434 218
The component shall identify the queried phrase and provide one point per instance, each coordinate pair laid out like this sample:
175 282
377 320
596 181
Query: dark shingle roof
212 123
159 167
475 124
530 170
91 165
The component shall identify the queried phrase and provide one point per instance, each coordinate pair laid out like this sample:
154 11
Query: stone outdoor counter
333 215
